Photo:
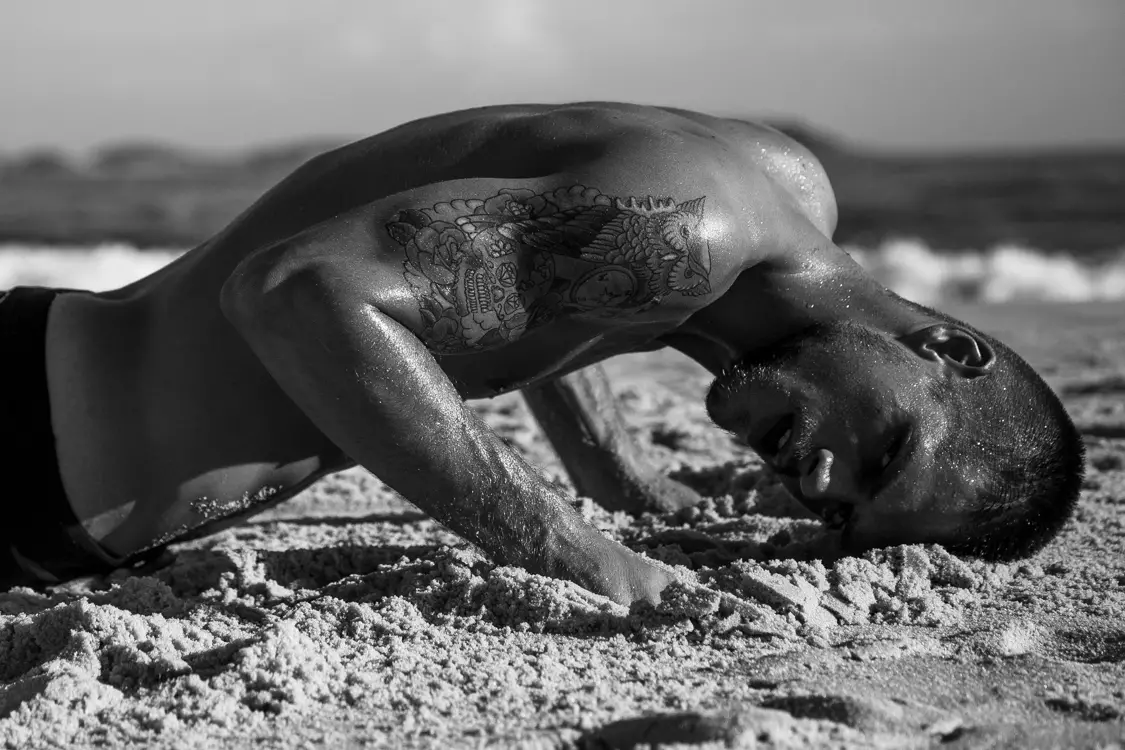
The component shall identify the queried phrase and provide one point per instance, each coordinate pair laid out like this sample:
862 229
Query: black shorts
41 540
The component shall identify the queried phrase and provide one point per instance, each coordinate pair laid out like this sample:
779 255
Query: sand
345 617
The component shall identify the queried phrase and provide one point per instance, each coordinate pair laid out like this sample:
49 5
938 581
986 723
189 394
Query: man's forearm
374 389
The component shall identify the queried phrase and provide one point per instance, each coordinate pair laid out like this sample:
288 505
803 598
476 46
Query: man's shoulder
578 131
672 140
790 165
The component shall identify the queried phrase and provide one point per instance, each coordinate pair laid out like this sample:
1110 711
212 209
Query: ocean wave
1004 273
911 268
97 268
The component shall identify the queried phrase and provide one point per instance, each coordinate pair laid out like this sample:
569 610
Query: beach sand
345 617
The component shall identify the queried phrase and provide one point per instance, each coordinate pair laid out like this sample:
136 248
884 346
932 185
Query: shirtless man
347 315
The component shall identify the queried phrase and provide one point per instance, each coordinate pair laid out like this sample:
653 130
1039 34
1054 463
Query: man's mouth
774 445
779 447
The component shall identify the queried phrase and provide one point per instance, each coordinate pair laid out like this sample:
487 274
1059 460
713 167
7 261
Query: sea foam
98 268
911 268
1003 273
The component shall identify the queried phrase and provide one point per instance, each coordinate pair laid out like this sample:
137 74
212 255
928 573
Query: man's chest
563 346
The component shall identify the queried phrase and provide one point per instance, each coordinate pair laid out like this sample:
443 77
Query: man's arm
581 418
324 320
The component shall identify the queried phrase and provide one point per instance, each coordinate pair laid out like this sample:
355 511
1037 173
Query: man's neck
774 300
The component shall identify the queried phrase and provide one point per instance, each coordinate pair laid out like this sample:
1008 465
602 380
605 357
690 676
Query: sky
932 75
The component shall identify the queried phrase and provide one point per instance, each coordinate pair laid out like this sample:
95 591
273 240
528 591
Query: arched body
347 314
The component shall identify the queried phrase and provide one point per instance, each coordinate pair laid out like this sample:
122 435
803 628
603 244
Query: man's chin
740 398
728 403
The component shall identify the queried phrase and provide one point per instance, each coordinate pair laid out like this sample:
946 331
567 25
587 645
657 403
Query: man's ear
965 353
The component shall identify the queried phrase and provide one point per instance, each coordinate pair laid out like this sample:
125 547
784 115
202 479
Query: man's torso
154 393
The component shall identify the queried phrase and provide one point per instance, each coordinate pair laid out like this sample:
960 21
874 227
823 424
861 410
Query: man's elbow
268 290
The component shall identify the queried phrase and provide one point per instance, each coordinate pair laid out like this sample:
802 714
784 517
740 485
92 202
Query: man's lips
776 445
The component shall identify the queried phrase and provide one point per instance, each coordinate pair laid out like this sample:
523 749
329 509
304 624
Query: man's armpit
484 269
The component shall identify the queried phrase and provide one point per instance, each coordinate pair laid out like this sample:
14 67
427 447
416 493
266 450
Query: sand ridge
346 618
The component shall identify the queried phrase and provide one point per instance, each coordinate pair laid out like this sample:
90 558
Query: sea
910 267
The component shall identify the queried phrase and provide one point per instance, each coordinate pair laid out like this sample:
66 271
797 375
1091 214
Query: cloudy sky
934 74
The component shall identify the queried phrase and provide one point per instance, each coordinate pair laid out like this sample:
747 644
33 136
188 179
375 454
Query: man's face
850 421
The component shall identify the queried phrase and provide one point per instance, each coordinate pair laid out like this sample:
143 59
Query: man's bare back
347 314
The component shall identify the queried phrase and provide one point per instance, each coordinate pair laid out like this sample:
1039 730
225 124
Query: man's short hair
1010 429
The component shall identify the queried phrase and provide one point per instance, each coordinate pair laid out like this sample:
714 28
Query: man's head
942 435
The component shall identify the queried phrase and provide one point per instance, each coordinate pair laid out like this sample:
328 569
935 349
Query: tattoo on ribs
485 271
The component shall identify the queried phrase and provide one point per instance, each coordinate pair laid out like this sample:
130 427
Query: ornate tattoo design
485 271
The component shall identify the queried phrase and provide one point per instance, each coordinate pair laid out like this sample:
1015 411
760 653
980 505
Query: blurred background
977 147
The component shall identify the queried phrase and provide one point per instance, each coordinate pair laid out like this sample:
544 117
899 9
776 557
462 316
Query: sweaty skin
347 315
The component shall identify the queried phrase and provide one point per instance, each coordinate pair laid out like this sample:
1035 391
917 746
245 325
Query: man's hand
587 557
662 494
643 581
580 416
